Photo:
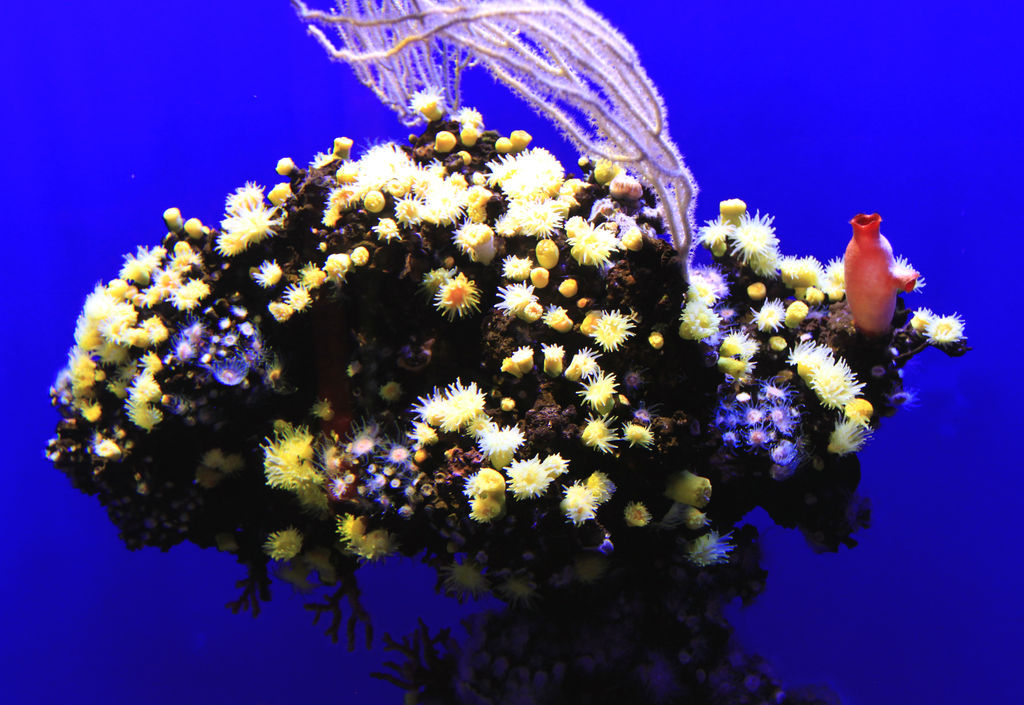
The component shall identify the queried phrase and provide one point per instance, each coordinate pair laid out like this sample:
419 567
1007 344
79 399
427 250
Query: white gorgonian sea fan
563 58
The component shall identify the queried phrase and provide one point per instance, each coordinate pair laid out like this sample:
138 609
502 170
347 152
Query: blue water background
810 111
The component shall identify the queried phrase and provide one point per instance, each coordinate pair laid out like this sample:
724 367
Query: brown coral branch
348 589
255 588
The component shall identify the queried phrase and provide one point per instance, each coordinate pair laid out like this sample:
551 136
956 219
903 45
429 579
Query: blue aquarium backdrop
810 111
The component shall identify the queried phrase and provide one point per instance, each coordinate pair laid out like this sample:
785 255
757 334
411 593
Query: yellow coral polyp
311 276
597 434
459 406
589 322
633 240
476 240
527 478
92 412
283 545
288 458
155 330
605 171
184 257
833 283
800 272
247 221
445 141
487 482
486 490
387 230
520 139
144 388
732 210
583 364
519 363
83 371
834 382
360 256
600 393
554 357
466 578
600 486
107 448
268 274
516 268
636 514
568 288
297 297
728 348
195 229
336 267
145 416
533 311
423 435
808 356
611 330
944 330
284 166
536 219
578 503
754 243
469 135
139 267
457 297
216 462
428 103
173 220
848 436
770 317
187 296
539 277
547 253
813 296
859 409
694 519
921 318
796 312
698 321
277 195
374 201
390 391
518 590
280 311
687 488
734 367
370 545
714 235
558 318
433 279
588 245
342 147
638 435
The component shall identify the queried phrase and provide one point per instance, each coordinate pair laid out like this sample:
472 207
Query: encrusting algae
461 351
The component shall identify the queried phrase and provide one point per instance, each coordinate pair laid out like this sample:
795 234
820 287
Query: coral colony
462 351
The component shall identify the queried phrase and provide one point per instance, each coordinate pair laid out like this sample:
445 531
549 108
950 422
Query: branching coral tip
873 277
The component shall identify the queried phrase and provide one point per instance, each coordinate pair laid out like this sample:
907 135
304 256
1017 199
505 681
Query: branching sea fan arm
563 58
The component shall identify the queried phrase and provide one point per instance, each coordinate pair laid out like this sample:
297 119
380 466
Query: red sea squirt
873 277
